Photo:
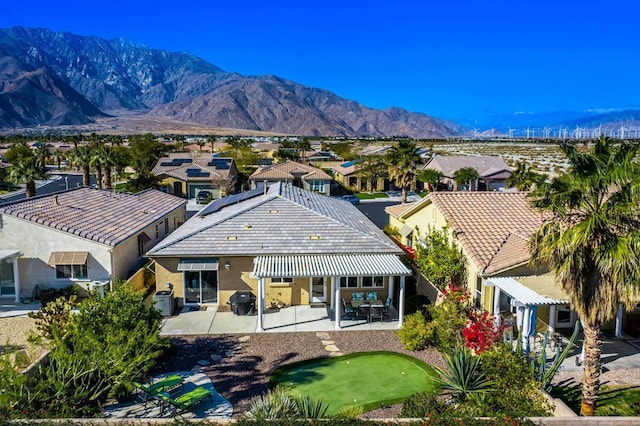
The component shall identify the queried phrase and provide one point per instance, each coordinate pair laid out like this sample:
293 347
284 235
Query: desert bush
416 333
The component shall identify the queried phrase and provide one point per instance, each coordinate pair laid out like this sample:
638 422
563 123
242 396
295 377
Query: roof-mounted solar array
218 205
175 162
197 173
220 163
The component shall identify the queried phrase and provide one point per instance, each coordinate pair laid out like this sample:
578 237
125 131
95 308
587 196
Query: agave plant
464 377
278 404
311 408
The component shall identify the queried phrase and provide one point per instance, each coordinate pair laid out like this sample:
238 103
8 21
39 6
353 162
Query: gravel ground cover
240 365
14 332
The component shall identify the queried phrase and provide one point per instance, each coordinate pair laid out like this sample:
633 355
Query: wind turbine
546 132
622 129
511 132
475 133
528 132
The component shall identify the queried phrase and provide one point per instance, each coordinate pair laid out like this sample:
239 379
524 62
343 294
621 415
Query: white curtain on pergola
334 266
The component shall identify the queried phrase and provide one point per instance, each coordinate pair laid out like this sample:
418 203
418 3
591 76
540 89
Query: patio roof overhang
10 253
348 265
532 291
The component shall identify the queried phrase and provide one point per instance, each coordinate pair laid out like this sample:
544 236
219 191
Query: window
349 282
281 280
158 230
316 185
166 225
78 272
373 281
477 300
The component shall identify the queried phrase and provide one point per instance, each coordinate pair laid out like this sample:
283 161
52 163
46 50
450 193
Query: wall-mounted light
226 266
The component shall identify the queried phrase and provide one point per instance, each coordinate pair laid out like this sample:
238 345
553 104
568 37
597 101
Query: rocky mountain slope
57 78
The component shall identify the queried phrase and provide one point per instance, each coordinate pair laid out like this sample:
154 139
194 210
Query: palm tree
81 157
591 241
523 178
106 157
26 171
96 162
466 176
370 169
42 154
402 162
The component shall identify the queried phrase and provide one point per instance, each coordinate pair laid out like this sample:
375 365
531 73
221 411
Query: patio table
356 303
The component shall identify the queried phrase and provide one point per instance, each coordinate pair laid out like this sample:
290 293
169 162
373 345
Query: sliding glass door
200 287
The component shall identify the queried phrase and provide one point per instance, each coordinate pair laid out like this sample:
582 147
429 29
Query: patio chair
348 310
372 295
387 306
166 384
376 312
357 296
363 312
186 401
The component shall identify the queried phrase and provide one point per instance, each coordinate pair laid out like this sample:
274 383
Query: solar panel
197 173
220 163
176 162
218 205
349 163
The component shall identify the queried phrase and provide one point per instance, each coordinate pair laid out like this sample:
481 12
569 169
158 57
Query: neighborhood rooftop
287 170
484 164
281 220
197 166
99 215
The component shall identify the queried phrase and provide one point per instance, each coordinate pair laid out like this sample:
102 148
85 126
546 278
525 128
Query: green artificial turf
613 400
369 379
370 196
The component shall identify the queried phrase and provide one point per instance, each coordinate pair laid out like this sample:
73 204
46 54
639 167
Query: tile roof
398 209
207 172
285 220
493 227
287 169
485 165
99 215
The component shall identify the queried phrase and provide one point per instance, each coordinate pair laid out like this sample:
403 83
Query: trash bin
163 301
242 303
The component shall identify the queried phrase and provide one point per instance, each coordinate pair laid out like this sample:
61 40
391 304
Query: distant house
186 174
493 171
297 174
80 236
284 244
492 230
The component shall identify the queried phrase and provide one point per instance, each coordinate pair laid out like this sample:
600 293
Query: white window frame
72 273
345 282
377 281
282 280
317 186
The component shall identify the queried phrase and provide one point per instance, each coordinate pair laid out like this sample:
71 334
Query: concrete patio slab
229 323
217 407
189 322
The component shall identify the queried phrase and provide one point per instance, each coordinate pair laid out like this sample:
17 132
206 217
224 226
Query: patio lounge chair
186 401
348 310
166 384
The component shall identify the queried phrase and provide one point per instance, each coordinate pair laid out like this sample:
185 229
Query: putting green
369 379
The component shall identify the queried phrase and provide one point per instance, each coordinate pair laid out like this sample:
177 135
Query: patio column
16 279
260 325
496 307
332 286
337 297
526 328
619 320
401 302
552 318
390 281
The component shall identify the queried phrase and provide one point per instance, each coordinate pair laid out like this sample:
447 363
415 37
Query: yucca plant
276 404
464 377
311 408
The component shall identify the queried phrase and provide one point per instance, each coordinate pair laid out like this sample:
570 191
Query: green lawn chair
166 384
186 401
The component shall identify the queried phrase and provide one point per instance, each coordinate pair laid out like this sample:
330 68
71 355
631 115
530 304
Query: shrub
416 303
440 260
480 333
416 333
423 404
48 295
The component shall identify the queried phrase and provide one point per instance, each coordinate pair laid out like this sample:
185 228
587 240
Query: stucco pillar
16 279
338 305
526 327
619 320
401 302
390 289
332 286
260 325
552 318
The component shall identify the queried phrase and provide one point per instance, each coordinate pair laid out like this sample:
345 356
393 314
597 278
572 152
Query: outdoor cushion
163 385
357 296
372 295
187 400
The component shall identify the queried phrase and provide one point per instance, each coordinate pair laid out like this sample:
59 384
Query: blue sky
448 58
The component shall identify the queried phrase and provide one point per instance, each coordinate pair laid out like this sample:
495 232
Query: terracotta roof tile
99 215
493 227
484 164
399 209
286 169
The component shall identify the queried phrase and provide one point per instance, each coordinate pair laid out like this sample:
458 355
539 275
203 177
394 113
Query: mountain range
58 78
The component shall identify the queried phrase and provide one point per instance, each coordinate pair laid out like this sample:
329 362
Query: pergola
331 265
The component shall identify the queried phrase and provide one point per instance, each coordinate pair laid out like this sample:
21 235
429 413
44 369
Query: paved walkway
217 407
289 319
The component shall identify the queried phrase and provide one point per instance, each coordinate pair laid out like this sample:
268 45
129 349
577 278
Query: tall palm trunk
404 194
30 190
99 176
86 173
107 177
592 368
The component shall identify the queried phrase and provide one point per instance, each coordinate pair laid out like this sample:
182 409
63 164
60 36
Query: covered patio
335 266
9 276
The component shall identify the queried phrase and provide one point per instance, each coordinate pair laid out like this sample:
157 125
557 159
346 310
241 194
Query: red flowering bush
480 332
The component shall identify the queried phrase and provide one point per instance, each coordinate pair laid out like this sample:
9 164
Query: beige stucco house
81 236
491 229
286 245
493 172
297 174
